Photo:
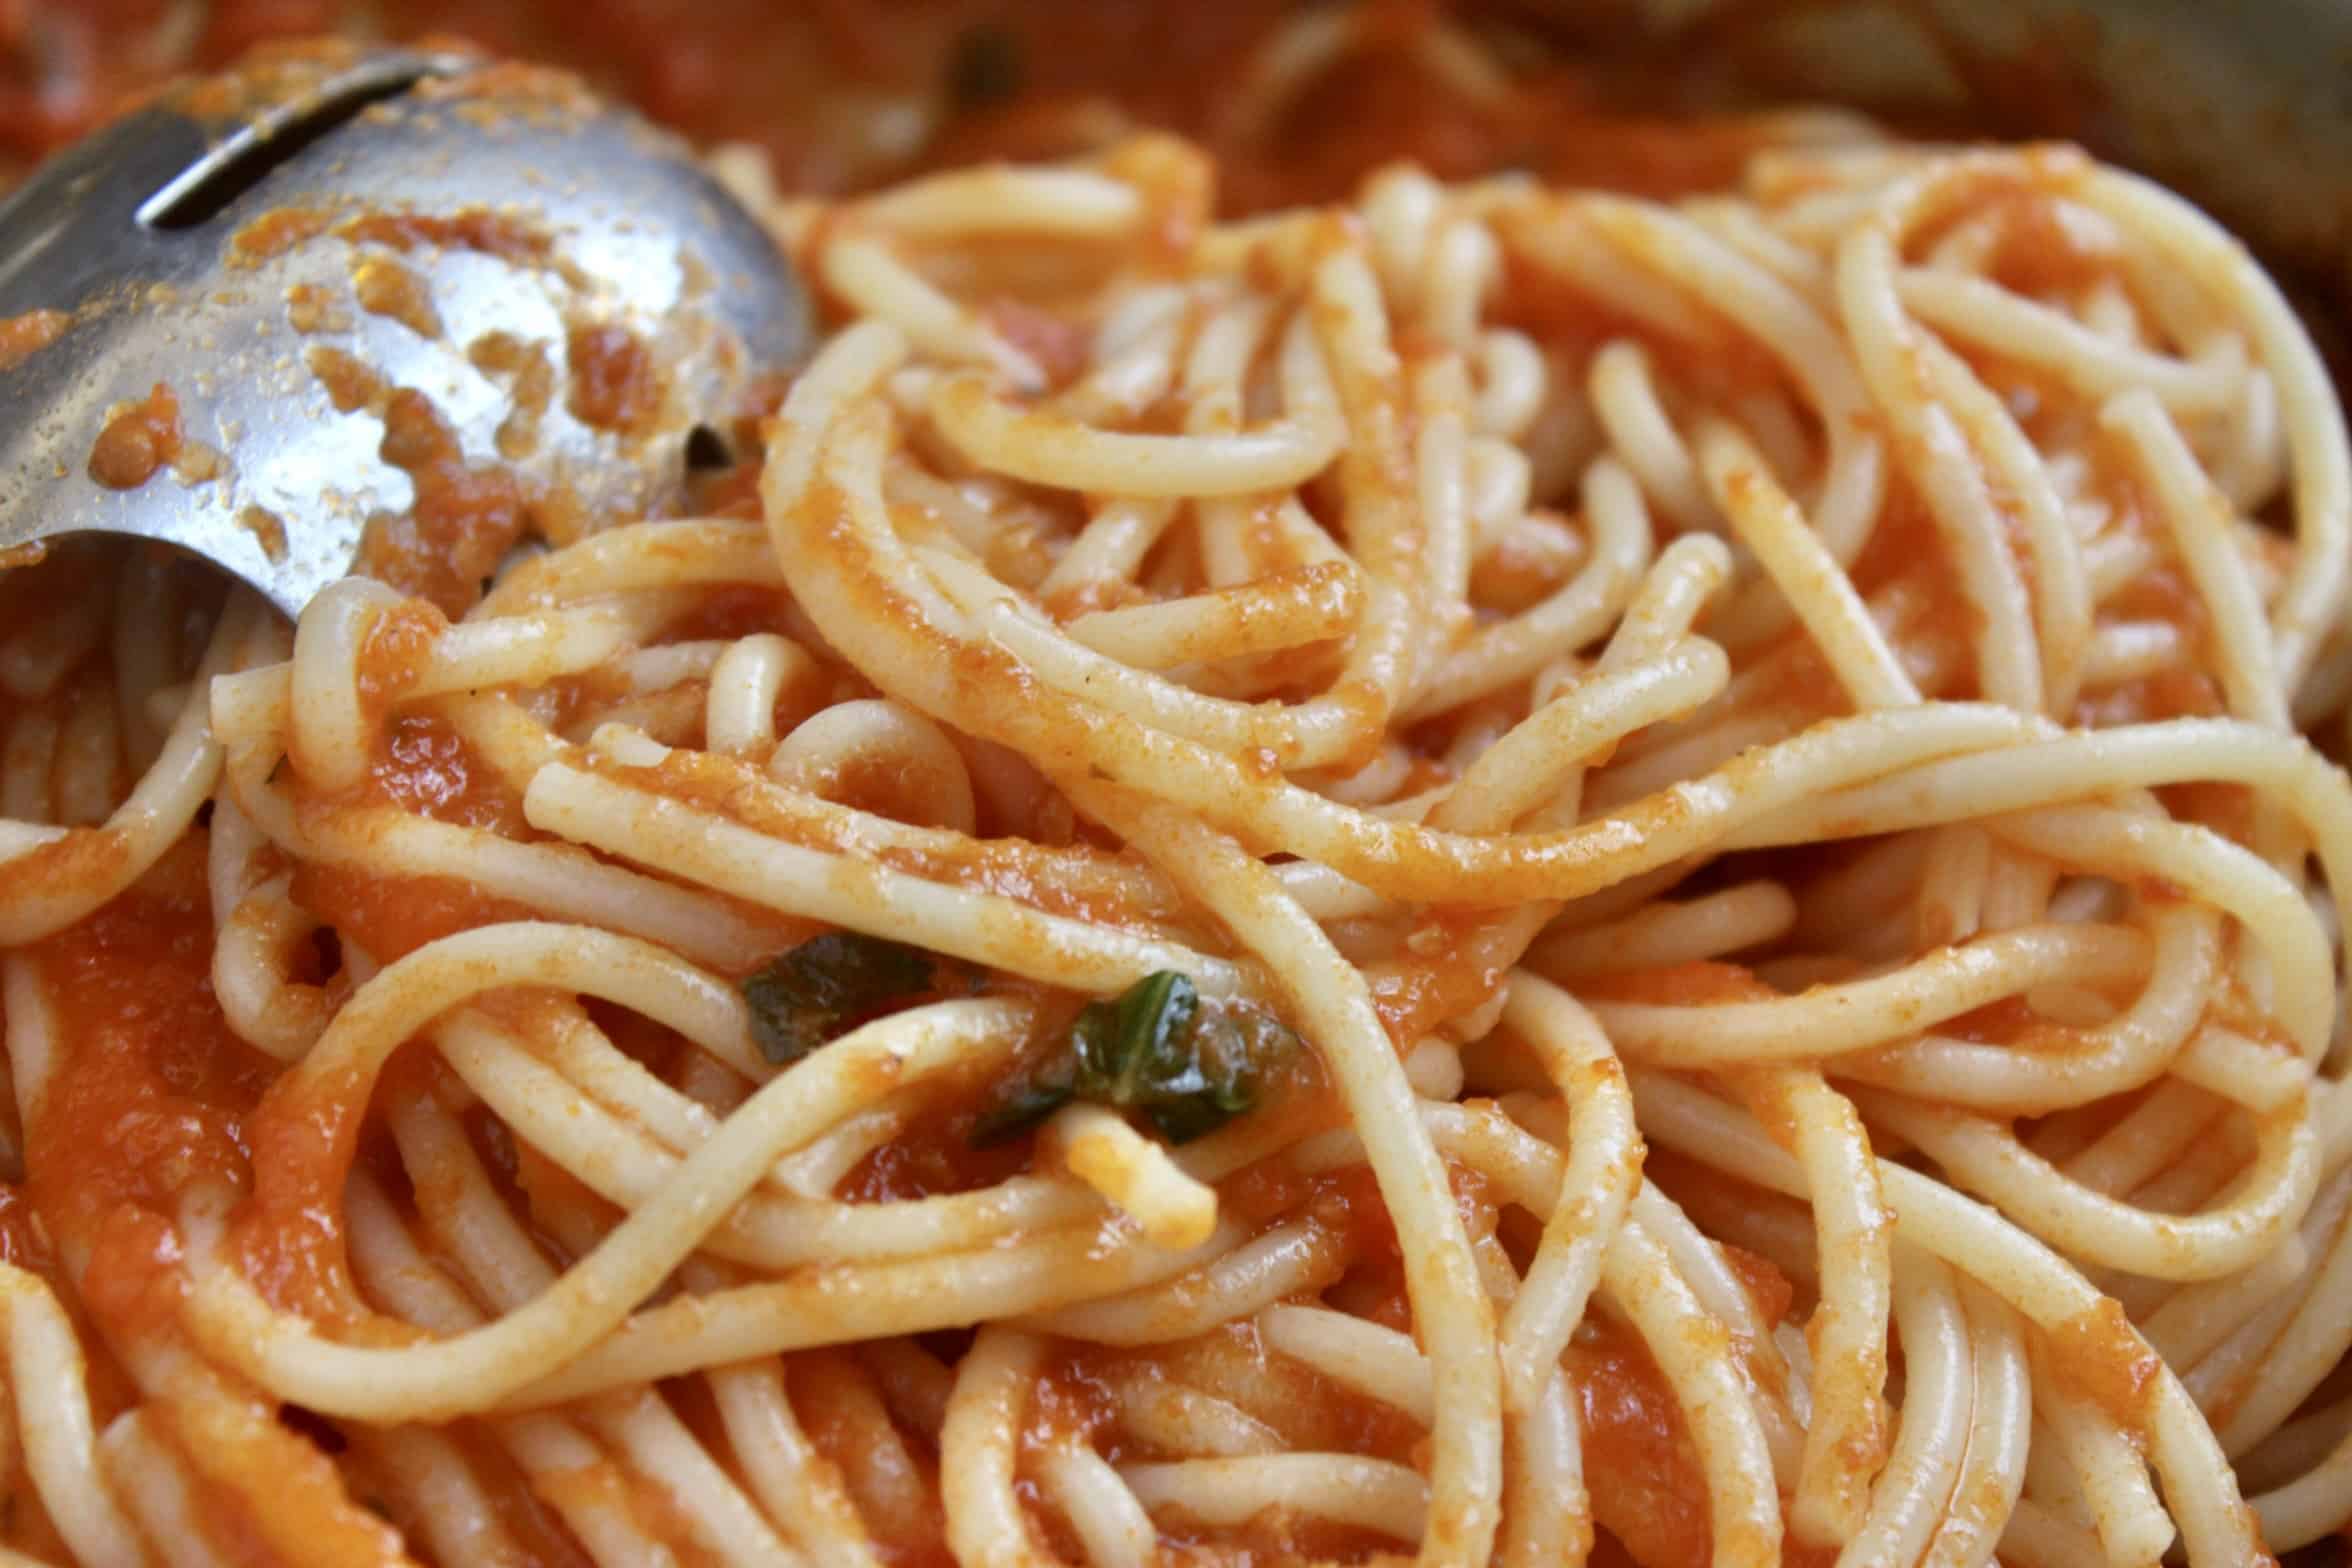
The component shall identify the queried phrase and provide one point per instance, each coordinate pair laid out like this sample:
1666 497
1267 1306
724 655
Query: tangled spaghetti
1755 741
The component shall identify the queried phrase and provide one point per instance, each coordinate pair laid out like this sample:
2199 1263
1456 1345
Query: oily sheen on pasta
1496 875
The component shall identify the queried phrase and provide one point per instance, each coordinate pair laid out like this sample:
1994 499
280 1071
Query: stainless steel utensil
275 304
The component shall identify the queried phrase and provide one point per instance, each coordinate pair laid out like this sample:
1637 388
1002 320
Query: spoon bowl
349 306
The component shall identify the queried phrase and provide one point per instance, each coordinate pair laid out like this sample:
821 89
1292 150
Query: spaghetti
1498 873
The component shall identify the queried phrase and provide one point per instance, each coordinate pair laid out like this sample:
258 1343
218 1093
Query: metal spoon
381 285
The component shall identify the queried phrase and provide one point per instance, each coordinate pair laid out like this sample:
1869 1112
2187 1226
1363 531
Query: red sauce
270 1494
725 492
388 289
1073 1399
2038 253
1459 973
523 365
395 650
1639 1466
391 916
151 1089
312 307
2179 692
423 767
21 337
1762 1279
274 233
733 612
267 528
1797 678
2104 1358
470 228
615 384
428 770
138 441
463 523
75 860
420 764
351 383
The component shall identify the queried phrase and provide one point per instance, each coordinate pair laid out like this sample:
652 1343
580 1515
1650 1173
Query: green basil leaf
1186 1066
1154 1034
800 1000
1229 1052
1020 1110
1181 1121
1094 1051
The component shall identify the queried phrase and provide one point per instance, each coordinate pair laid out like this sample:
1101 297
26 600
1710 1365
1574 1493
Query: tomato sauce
475 229
522 365
21 337
392 916
430 771
388 289
2104 1358
276 232
1639 1466
150 1097
249 1459
1458 973
137 442
615 383
350 383
465 518
423 767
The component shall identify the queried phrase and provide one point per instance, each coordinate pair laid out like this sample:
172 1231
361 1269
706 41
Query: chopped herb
1230 1046
986 67
1139 1045
1188 1066
802 999
1021 1109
